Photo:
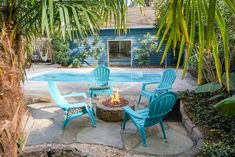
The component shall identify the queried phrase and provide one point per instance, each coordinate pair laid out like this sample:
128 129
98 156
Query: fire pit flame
115 99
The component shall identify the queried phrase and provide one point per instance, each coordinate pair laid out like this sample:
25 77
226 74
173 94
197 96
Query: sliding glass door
119 53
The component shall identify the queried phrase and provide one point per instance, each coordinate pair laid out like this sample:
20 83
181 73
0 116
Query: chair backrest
159 107
101 75
168 78
55 94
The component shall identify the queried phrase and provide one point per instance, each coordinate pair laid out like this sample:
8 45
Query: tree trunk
11 61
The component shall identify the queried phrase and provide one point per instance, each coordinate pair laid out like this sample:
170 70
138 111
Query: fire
115 99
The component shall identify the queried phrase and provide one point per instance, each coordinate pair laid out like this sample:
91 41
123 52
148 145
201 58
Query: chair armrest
75 95
132 113
148 83
162 89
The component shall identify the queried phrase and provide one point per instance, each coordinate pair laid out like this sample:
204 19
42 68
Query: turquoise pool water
87 77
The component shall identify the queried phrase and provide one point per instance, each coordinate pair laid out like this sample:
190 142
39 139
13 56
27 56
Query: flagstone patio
43 124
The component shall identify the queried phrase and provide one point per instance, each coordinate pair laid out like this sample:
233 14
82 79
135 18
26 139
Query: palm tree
184 21
23 20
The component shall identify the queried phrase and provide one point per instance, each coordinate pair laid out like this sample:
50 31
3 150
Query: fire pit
111 109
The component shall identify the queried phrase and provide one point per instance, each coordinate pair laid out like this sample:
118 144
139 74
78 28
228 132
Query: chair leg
110 92
143 136
150 99
163 130
91 94
92 118
66 120
93 111
125 118
139 99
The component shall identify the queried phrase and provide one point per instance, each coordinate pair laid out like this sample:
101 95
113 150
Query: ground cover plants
217 128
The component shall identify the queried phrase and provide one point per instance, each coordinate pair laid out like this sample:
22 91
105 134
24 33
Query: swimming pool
87 77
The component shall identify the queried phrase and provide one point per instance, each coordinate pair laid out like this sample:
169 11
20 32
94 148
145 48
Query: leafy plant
208 88
216 127
76 63
60 51
217 149
227 106
20 143
231 81
148 47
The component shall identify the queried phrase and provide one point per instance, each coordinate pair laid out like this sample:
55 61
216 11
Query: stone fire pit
111 114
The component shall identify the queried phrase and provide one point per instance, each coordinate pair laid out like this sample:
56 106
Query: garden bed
218 130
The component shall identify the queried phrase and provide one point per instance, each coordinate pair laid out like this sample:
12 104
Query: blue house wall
136 36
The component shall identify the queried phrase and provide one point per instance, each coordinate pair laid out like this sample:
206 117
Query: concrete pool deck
45 119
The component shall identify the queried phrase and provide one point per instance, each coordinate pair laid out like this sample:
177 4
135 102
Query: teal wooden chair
101 83
72 110
165 84
152 115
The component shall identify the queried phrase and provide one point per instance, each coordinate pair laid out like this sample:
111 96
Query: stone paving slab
44 131
176 143
105 133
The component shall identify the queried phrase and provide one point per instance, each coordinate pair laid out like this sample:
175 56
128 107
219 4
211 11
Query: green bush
76 63
60 51
148 47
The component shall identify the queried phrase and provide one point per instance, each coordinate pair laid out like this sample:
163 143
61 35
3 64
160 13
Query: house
120 50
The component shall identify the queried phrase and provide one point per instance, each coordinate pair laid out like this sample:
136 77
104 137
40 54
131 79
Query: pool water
87 77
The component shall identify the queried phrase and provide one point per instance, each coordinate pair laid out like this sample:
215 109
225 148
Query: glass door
119 53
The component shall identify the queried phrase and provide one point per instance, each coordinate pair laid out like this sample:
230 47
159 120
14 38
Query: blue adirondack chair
165 84
152 115
72 110
101 83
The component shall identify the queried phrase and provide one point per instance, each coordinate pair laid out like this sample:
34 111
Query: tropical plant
25 19
183 20
227 106
208 88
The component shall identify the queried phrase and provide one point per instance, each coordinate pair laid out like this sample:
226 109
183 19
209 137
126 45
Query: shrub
148 47
60 51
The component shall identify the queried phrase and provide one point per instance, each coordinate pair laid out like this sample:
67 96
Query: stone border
32 99
194 132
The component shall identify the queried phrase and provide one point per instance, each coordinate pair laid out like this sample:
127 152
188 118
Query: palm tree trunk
11 53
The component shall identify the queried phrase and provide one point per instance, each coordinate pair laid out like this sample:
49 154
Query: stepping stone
44 131
105 133
176 143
